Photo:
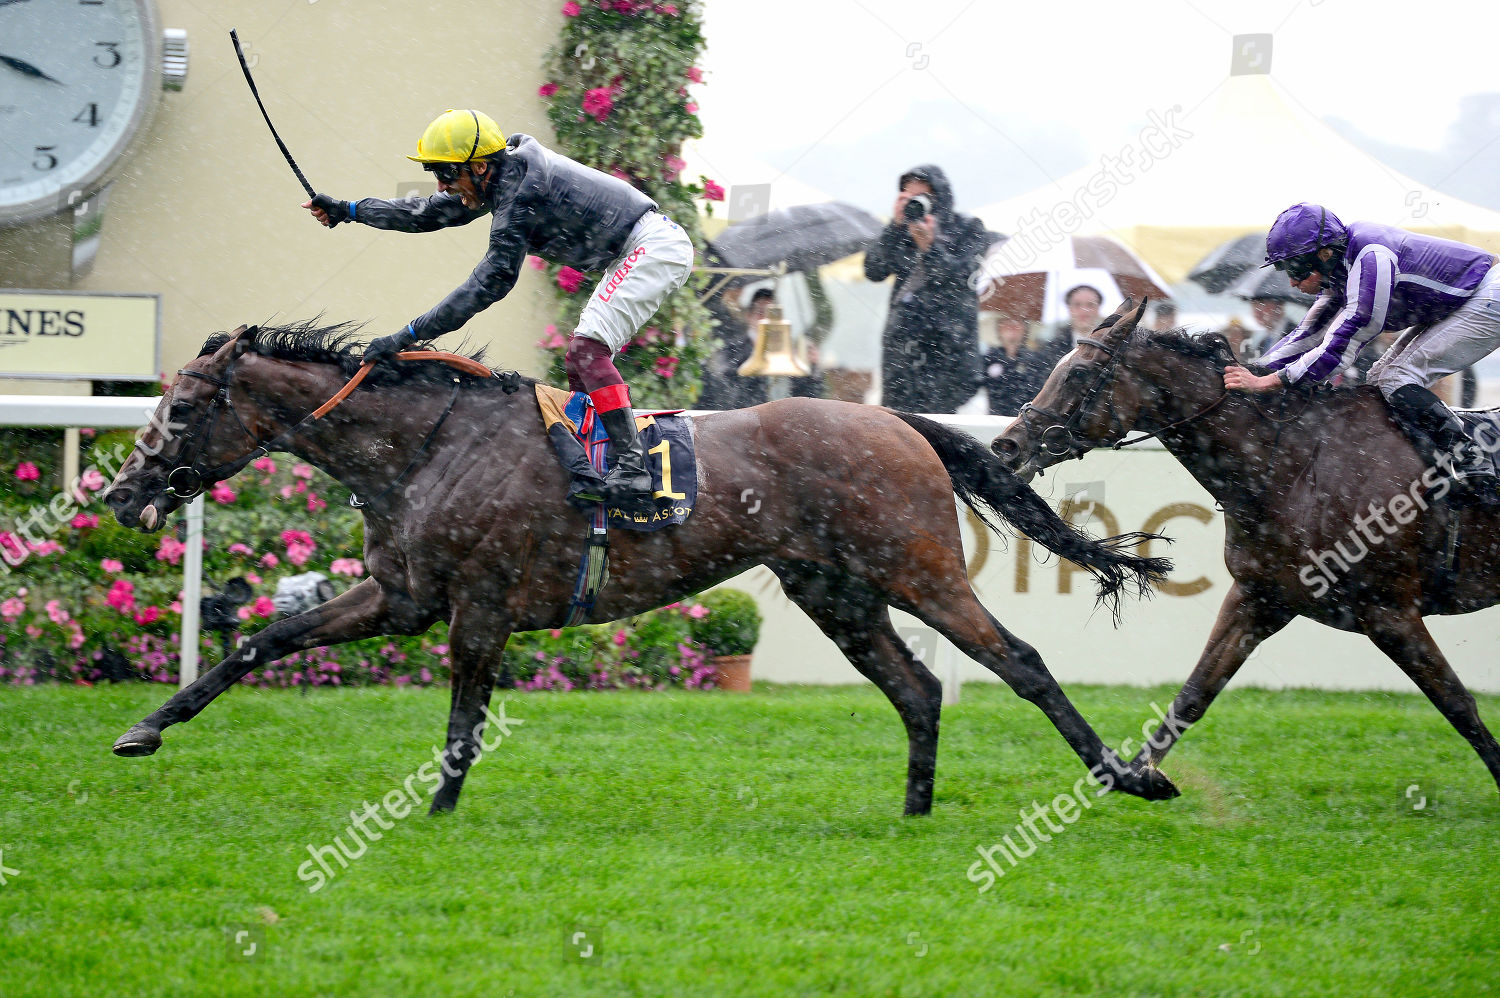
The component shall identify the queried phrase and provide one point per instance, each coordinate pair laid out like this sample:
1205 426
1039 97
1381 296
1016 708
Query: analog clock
79 80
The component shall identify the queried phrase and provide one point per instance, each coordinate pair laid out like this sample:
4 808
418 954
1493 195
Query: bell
773 357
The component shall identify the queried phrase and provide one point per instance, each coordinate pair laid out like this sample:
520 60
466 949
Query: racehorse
855 515
1301 478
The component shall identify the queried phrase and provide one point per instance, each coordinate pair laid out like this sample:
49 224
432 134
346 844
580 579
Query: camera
918 207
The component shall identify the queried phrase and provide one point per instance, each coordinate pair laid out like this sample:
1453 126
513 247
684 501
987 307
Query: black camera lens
917 208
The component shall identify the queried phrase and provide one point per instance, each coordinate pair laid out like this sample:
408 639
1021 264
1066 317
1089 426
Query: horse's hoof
138 741
1154 785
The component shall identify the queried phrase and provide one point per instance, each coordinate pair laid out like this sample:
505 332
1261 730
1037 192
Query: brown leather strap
462 363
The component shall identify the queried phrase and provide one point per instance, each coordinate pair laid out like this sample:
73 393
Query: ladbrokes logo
20 324
618 277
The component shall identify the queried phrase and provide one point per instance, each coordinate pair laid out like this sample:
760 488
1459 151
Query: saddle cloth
582 445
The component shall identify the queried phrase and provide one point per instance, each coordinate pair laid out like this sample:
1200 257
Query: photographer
930 357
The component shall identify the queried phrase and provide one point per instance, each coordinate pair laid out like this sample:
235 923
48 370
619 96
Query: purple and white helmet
1303 228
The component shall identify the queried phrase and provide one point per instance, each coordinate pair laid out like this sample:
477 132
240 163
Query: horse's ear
1114 317
1125 319
243 338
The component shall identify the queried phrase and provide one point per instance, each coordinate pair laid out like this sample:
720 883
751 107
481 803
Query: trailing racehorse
1301 488
855 515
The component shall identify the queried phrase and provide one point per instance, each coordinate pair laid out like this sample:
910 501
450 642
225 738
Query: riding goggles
445 172
1298 267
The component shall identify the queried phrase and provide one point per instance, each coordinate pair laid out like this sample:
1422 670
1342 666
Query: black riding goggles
1299 267
445 172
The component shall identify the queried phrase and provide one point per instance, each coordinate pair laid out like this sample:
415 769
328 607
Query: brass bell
773 357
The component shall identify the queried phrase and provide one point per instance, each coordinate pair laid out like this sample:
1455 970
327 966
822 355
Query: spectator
1164 316
1013 371
930 351
1083 301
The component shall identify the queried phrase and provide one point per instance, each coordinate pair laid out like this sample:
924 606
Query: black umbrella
1226 262
1268 283
804 238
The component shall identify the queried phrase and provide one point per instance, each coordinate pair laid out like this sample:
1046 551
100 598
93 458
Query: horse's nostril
115 498
1005 447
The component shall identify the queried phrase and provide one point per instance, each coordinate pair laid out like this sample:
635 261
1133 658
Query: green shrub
732 624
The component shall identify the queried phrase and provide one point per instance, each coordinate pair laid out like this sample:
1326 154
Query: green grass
742 845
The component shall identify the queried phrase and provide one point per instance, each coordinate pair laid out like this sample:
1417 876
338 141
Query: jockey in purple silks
1370 278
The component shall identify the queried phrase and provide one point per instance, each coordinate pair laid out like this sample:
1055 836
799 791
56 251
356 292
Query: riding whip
234 37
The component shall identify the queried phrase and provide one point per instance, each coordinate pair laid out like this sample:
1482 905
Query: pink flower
222 493
83 520
56 613
546 90
252 578
314 503
537 263
666 367
571 9
13 546
170 550
690 107
712 191
695 74
286 492
263 607
176 607
244 549
551 340
109 566
290 537
27 472
121 595
674 165
298 554
347 566
302 470
598 102
265 464
243 613
12 608
668 9
45 547
150 615
92 480
698 611
570 280
269 560
620 636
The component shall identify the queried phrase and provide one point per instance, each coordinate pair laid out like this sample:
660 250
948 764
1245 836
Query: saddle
1483 428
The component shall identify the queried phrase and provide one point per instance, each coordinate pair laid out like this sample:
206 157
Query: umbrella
1029 285
1268 283
1228 261
804 237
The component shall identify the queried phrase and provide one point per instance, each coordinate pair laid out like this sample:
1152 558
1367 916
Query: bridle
187 480
1060 438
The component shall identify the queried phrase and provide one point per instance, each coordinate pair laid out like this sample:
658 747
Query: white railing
70 412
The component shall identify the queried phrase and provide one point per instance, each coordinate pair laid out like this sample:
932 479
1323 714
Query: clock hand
27 69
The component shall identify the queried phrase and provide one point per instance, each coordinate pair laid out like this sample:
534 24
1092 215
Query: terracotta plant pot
733 672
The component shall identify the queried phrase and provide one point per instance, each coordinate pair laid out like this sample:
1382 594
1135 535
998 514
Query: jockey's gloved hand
383 350
336 210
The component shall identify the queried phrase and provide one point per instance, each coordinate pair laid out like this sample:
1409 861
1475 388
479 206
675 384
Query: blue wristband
351 205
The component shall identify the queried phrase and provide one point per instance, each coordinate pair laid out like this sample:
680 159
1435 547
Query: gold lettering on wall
1155 522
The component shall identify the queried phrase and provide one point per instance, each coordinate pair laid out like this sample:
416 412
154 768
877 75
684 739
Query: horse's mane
1215 347
337 344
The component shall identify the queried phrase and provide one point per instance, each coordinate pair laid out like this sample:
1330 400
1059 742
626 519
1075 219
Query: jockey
1370 278
564 212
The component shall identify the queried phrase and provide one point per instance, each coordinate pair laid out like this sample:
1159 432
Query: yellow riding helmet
459 136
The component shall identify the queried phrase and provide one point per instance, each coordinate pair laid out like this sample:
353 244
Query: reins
185 481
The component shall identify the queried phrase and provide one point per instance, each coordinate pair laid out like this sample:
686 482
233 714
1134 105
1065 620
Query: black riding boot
1432 424
628 484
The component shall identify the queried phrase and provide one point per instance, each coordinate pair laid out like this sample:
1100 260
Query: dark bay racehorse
1304 478
855 515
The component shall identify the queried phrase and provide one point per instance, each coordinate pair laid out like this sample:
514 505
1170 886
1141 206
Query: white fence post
192 590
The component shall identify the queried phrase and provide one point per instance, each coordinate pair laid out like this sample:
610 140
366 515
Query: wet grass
713 844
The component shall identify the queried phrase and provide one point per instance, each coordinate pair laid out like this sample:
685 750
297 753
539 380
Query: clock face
77 82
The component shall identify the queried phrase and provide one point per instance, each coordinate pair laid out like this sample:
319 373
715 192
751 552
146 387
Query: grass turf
730 845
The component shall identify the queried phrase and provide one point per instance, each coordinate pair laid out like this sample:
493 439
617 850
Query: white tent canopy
1247 152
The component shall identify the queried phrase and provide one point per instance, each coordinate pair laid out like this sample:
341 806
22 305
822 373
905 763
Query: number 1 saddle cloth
583 446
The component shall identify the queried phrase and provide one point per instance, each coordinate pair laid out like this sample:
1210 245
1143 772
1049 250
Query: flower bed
85 599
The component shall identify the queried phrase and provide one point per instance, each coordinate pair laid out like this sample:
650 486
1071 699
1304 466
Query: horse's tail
988 488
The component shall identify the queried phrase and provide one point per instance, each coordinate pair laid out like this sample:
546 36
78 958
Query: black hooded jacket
540 202
930 361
